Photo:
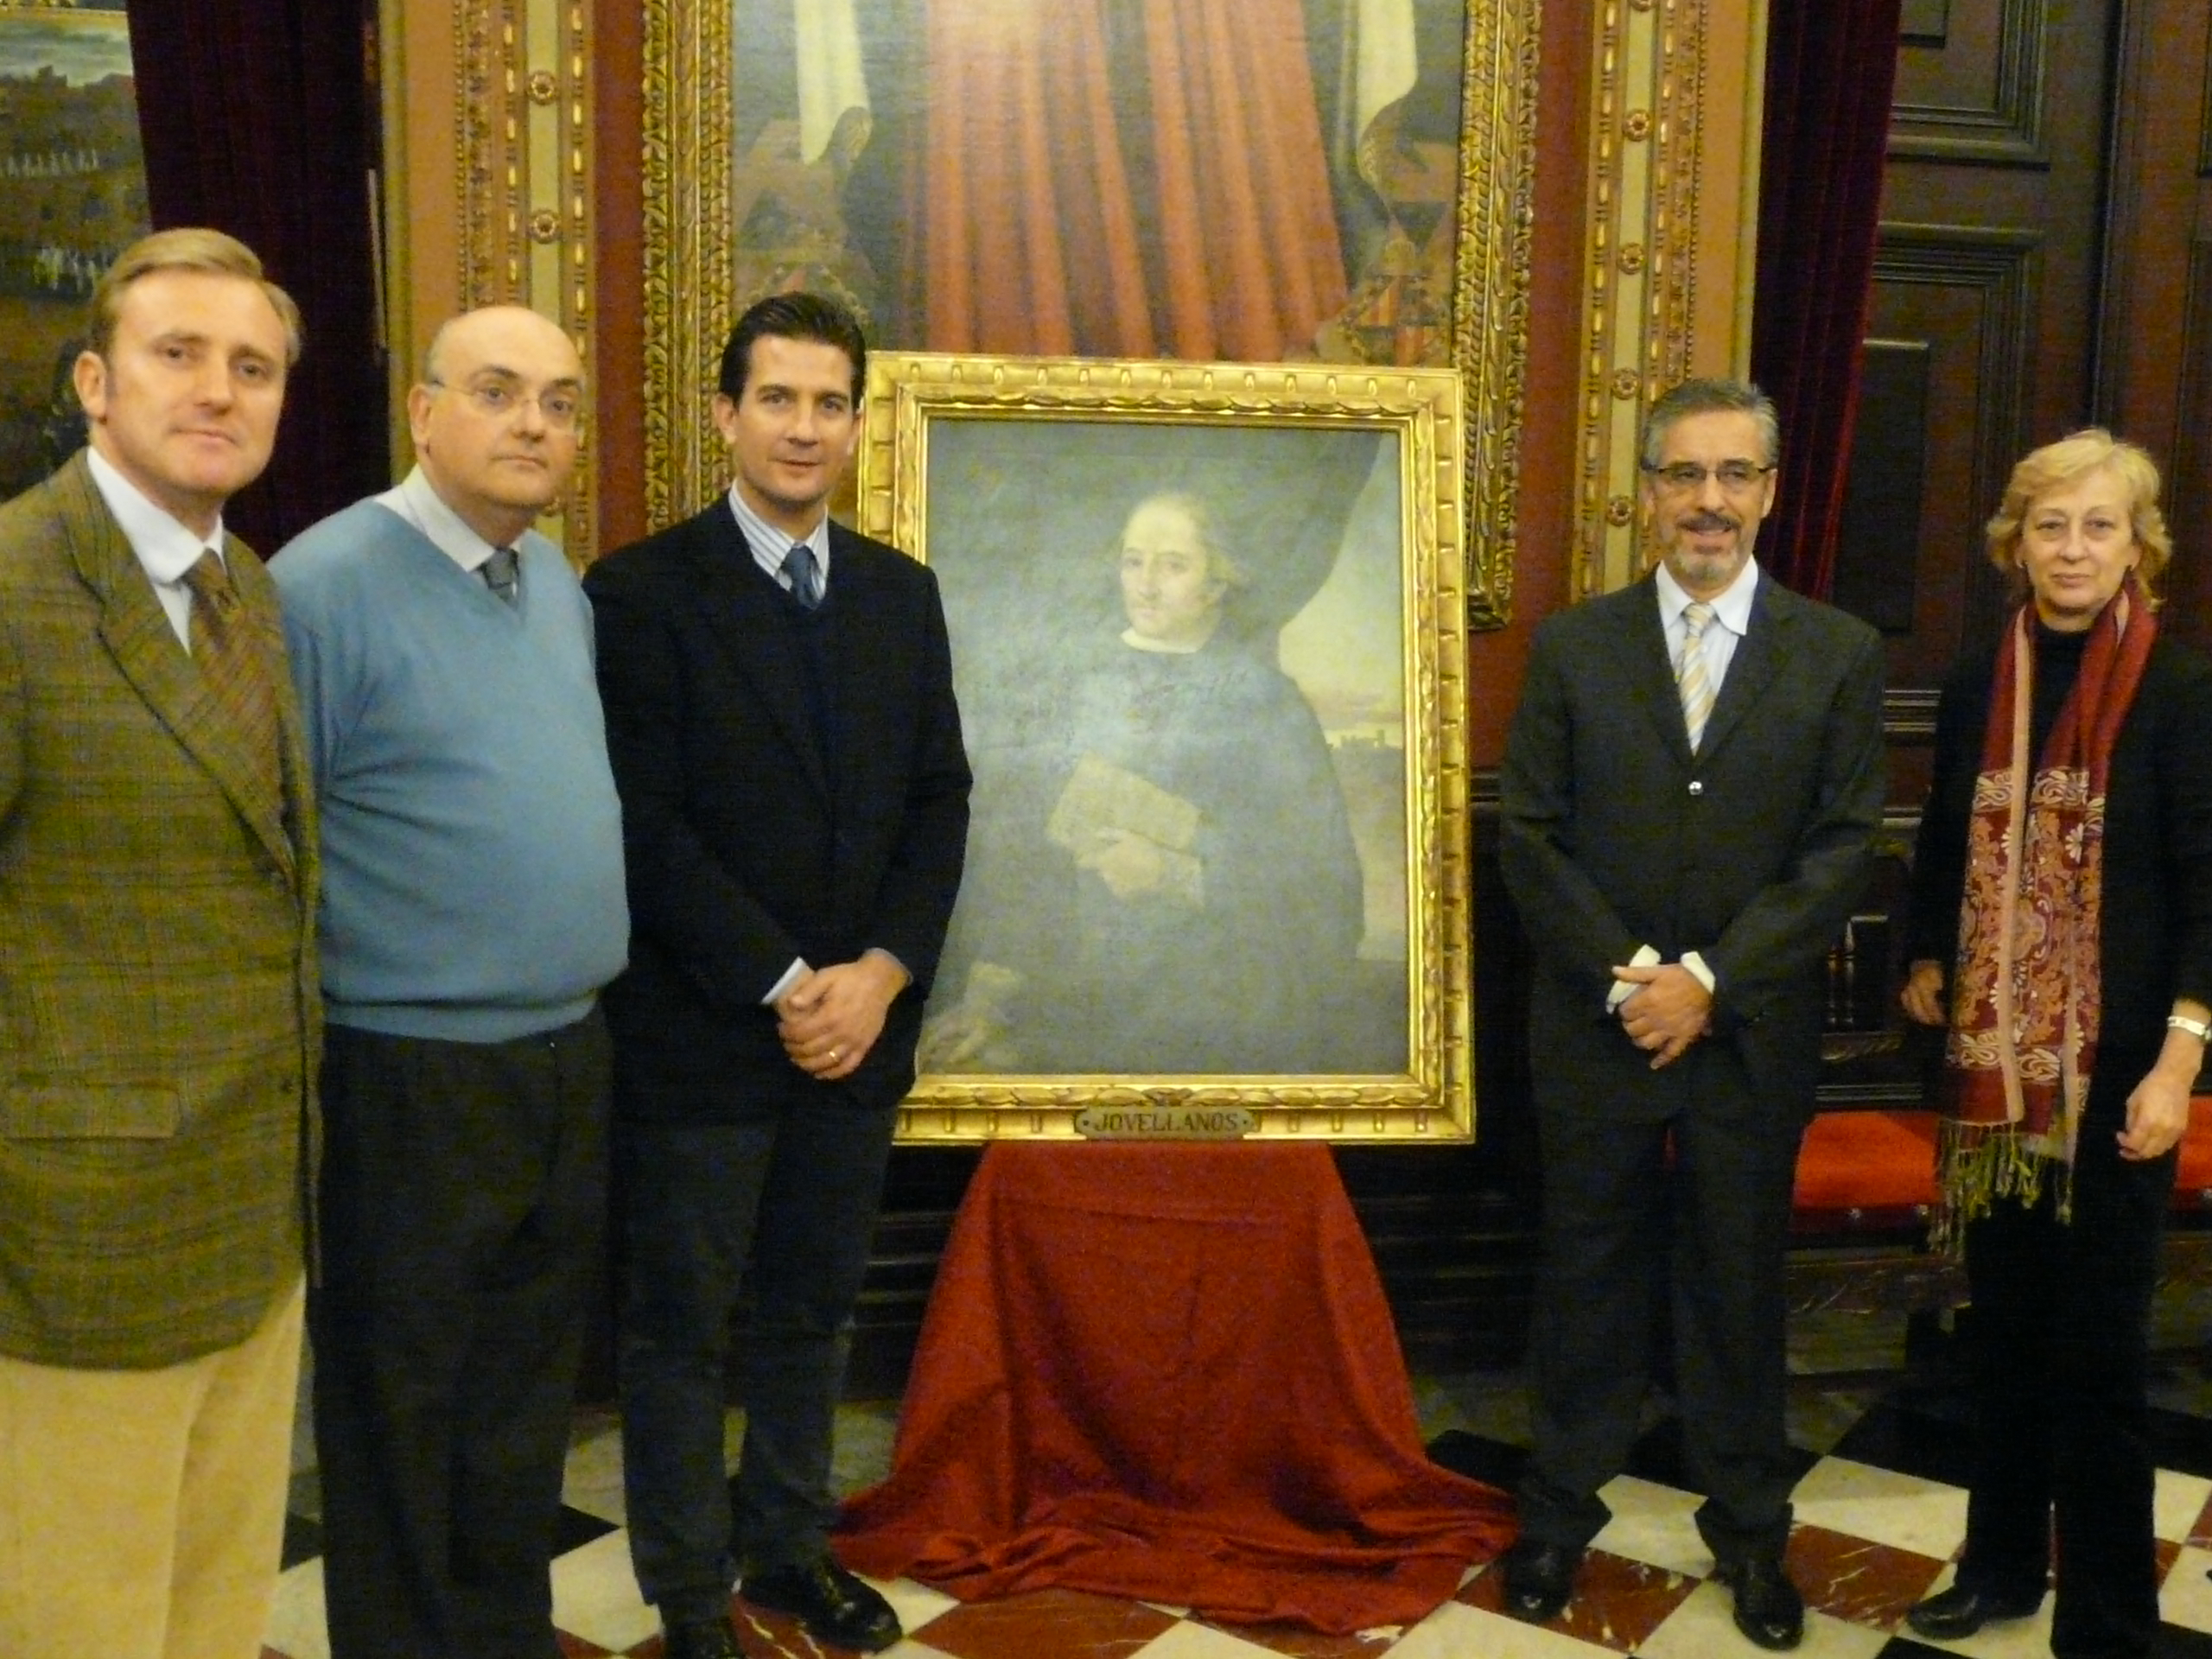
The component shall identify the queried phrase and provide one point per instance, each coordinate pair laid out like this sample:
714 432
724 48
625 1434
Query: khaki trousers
141 1513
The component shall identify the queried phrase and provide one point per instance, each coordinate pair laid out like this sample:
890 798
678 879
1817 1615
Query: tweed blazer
159 1024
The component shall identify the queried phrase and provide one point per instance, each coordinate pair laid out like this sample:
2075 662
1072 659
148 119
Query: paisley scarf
2026 996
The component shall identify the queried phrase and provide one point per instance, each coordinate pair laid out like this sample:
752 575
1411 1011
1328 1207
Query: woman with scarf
2062 932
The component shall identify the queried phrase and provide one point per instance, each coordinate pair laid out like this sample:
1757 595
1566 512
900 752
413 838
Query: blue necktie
806 582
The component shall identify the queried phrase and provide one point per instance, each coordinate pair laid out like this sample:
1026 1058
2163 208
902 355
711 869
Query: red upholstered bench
2193 1180
1864 1170
1866 1186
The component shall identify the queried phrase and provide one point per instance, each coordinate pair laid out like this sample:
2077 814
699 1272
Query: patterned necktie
501 572
1690 677
223 649
806 582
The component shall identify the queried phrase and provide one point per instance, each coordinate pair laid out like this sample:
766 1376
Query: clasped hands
830 1020
1670 1009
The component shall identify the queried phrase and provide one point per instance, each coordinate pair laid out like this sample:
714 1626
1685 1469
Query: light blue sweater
471 841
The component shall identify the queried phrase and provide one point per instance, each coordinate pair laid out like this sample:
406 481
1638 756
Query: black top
2156 928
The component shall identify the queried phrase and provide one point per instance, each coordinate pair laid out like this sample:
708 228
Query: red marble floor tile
574 1647
2200 1534
1058 1622
1618 1603
763 1635
1296 1642
2167 1551
1856 1580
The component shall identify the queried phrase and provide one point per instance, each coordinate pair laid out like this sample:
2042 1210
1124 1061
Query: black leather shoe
829 1601
1769 1610
1960 1612
700 1638
1539 1580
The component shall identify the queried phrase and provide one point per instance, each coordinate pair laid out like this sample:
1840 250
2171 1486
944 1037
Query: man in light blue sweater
473 906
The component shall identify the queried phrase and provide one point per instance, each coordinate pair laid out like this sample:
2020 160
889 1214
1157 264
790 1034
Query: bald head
495 418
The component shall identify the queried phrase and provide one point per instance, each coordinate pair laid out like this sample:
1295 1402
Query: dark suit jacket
746 847
159 1016
1752 852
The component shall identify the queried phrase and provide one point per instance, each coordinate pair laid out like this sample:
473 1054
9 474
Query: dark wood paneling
2188 495
2155 325
1972 90
1882 499
1964 299
1924 23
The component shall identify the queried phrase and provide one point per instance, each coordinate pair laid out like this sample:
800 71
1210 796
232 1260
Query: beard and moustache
1694 567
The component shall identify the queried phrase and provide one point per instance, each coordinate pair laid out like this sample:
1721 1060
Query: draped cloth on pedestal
1168 1373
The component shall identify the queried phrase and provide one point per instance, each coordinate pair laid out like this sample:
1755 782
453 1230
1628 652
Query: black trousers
463 1208
2059 1341
1695 1204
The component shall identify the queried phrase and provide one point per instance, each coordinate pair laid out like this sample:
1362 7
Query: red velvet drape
256 119
1830 68
1123 181
1168 1373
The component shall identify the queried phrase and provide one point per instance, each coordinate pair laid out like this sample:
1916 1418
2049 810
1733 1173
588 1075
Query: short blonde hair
2060 466
194 248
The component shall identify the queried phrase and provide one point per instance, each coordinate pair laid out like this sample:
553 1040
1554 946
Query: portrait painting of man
1178 661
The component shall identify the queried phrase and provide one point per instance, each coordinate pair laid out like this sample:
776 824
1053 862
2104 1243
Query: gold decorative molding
1497 147
687 204
1671 224
512 209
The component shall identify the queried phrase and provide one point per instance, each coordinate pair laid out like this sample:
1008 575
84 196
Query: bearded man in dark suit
1691 785
780 714
159 1020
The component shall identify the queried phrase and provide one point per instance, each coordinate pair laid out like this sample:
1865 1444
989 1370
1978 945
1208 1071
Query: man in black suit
1691 784
780 713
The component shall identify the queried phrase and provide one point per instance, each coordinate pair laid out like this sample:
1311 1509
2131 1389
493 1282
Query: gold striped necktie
1690 677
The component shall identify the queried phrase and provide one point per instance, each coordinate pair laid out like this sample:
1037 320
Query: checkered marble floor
1880 1516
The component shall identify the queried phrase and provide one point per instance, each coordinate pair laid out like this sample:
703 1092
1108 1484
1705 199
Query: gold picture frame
1455 218
1301 945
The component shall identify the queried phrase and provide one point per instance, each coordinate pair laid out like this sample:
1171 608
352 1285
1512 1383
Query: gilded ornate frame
688 262
1670 235
912 398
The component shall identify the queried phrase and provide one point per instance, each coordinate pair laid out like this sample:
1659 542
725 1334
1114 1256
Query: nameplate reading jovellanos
1157 1122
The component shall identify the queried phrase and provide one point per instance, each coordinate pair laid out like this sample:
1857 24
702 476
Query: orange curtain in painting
1122 179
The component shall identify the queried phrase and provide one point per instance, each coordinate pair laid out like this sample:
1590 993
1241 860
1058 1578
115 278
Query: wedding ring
833 1057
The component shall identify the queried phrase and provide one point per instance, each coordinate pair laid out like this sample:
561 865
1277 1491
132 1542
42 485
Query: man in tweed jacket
159 1020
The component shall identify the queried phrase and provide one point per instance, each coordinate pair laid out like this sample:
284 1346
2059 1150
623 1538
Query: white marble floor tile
1654 1524
596 1595
1705 1625
1901 1510
1188 1641
2178 1500
2186 1597
592 1479
296 1626
1456 1631
915 1603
